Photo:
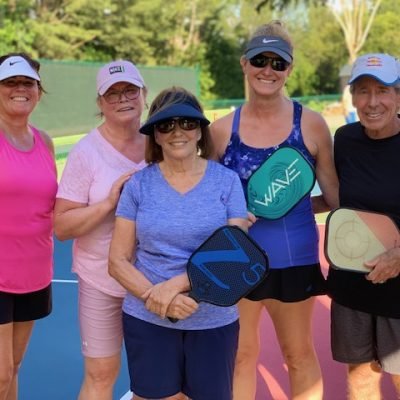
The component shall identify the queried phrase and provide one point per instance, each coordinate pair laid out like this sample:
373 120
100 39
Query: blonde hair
274 28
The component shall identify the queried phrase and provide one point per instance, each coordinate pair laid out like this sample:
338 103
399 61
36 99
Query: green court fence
69 107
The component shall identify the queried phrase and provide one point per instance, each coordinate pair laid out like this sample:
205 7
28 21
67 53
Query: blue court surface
53 365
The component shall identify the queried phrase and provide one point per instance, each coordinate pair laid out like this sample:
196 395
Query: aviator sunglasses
276 63
187 124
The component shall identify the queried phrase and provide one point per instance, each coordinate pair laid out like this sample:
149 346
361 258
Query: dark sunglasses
187 124
277 63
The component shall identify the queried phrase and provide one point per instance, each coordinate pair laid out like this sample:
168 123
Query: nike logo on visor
15 62
269 41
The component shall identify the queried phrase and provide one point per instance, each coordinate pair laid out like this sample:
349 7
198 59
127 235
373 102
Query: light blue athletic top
293 239
171 225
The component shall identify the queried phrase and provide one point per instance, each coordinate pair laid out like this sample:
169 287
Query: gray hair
396 87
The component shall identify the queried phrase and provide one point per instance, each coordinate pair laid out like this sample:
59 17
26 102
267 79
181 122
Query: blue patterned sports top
293 239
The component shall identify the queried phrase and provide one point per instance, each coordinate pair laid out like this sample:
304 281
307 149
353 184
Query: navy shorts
23 307
163 361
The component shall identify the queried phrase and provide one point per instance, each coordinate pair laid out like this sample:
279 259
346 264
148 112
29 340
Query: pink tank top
28 186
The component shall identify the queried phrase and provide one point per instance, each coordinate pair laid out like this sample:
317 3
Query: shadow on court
53 367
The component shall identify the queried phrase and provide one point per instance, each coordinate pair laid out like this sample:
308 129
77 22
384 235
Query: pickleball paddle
280 183
226 267
354 236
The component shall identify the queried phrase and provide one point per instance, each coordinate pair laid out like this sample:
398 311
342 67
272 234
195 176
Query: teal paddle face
284 179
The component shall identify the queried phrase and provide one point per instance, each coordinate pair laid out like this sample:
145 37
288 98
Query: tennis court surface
53 366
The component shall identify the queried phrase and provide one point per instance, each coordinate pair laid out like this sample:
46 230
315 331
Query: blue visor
174 110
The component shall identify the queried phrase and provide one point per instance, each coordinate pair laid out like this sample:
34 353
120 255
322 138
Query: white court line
64 280
128 394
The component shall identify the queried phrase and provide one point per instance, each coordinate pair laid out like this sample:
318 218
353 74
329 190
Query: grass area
64 143
212 115
66 140
321 218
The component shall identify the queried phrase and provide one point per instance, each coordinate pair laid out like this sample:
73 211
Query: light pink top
28 185
93 165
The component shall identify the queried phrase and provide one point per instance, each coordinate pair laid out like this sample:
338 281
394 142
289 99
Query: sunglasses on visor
276 63
187 124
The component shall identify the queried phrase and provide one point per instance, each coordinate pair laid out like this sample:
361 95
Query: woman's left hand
385 266
182 307
159 297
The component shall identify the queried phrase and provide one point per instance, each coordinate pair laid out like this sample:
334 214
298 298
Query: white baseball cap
382 67
118 71
17 66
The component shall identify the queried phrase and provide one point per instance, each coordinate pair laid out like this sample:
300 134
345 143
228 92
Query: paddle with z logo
280 183
354 236
226 267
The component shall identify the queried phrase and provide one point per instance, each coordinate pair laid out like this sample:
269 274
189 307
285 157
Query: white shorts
100 318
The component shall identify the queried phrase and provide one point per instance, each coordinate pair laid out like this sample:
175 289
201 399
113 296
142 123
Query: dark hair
33 63
166 98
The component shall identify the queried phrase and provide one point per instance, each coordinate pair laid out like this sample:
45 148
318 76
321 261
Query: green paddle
280 183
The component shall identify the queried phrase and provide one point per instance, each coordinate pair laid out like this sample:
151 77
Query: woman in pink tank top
28 185
89 190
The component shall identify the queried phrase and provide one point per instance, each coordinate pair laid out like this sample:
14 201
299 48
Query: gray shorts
358 337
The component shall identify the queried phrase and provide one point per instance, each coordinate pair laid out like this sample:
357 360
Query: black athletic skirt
291 284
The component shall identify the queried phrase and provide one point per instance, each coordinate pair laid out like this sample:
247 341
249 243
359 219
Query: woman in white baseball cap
97 168
28 185
365 308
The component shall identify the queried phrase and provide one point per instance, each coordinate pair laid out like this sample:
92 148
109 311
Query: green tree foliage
205 34
384 37
319 54
226 33
14 31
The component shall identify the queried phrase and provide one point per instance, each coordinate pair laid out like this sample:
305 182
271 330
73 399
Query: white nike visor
17 66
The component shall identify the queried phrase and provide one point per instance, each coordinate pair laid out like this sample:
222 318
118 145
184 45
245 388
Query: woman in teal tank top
243 140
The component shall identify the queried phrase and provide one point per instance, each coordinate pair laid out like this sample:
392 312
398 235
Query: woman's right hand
182 306
116 189
251 219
